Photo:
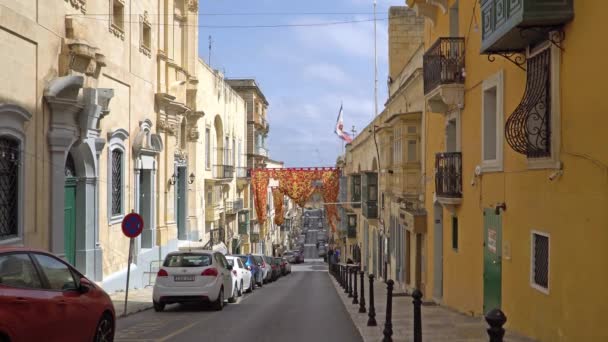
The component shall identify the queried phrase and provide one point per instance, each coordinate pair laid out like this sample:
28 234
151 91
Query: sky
305 72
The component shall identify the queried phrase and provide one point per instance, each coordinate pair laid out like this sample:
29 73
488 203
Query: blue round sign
132 225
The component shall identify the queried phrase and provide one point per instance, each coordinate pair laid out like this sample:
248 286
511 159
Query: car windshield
187 260
258 259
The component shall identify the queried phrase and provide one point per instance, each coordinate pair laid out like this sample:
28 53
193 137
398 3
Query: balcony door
181 185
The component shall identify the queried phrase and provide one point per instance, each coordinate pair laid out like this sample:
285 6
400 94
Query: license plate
184 278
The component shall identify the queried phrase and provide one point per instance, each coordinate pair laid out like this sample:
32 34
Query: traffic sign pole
128 274
132 226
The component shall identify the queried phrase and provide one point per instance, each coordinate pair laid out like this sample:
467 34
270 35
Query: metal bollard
346 280
362 299
417 295
388 324
342 276
350 281
355 294
371 322
496 319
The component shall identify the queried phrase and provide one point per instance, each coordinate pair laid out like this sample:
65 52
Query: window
543 121
187 260
356 194
454 20
234 152
227 151
9 187
208 148
539 269
397 145
58 274
117 18
17 270
117 205
455 232
492 123
240 154
116 174
452 132
412 151
145 38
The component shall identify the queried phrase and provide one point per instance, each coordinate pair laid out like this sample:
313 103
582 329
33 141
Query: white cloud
326 72
353 39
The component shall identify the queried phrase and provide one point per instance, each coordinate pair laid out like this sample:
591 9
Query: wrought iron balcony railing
448 174
223 171
443 63
233 207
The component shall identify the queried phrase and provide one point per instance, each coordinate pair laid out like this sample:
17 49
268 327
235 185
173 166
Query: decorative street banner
277 198
297 184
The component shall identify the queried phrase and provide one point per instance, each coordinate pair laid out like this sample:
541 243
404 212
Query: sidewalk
139 300
438 323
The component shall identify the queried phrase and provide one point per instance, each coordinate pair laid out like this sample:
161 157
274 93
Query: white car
194 276
244 281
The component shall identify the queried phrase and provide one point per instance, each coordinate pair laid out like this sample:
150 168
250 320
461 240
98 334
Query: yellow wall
571 208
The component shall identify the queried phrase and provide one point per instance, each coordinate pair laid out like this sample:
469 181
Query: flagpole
375 66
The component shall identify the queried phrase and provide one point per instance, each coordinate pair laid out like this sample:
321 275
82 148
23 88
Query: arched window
9 187
116 175
12 143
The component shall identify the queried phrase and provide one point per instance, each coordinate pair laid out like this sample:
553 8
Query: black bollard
346 280
340 276
362 299
350 281
355 294
496 319
371 322
417 295
388 324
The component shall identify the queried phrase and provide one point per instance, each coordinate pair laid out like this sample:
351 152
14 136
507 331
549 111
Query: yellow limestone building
516 177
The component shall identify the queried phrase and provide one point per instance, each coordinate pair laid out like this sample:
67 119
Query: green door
69 232
492 252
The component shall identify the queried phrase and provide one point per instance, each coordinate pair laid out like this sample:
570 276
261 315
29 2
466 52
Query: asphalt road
302 306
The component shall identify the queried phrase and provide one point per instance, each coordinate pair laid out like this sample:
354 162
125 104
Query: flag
340 128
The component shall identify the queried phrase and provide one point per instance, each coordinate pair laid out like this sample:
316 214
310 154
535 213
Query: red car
43 298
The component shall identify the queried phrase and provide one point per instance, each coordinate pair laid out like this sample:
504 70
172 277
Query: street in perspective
268 170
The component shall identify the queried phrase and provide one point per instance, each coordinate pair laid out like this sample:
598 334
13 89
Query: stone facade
101 115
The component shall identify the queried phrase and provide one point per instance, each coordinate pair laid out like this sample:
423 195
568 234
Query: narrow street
302 306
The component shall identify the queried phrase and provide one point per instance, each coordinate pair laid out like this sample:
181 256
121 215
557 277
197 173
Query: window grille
9 187
116 182
540 260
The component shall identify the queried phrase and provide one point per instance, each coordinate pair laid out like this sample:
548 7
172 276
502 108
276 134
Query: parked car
244 280
299 257
41 296
194 276
276 268
252 264
265 266
290 256
285 266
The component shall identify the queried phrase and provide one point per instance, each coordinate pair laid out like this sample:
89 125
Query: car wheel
105 329
232 298
241 289
218 305
158 307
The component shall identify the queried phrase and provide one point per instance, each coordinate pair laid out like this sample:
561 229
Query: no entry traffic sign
132 225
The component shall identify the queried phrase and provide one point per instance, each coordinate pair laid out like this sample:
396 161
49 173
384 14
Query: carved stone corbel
193 6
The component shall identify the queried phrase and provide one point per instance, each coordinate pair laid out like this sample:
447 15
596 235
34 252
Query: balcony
223 172
244 222
443 67
260 121
213 212
216 236
448 178
369 197
512 26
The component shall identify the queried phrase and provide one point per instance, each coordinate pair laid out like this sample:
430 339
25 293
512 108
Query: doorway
438 248
146 205
181 185
69 232
492 253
